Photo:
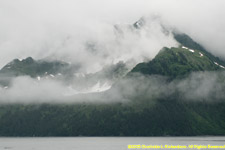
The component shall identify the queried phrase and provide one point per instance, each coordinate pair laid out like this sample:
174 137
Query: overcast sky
58 28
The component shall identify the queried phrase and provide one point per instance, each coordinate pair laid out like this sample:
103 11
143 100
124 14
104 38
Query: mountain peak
178 62
28 60
140 23
31 67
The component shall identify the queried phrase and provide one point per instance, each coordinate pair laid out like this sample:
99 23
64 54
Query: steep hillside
187 41
177 62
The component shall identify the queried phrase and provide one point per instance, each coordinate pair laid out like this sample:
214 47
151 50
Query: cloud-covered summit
63 29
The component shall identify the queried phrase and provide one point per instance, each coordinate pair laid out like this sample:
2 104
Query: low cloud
198 86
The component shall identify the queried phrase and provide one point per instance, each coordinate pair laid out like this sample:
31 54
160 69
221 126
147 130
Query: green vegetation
187 41
165 117
32 68
177 62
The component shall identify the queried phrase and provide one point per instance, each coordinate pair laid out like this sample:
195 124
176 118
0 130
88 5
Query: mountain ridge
141 109
175 62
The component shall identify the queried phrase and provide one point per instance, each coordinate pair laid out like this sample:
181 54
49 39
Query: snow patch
138 24
100 88
219 65
222 66
52 75
39 78
191 50
94 89
201 54
216 63
6 87
59 74
184 47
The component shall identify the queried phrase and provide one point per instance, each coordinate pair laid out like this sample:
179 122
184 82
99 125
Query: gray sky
59 28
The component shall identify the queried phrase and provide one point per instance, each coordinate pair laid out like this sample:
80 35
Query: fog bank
198 86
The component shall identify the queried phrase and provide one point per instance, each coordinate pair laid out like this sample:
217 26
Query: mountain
33 68
142 115
66 73
180 37
177 62
191 103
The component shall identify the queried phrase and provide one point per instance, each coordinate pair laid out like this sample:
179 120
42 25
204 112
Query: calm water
102 143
